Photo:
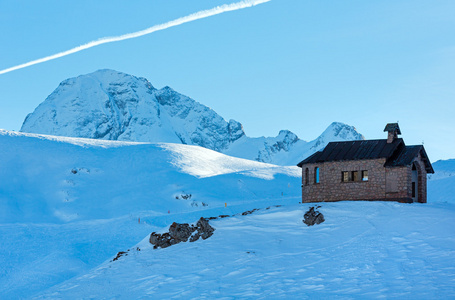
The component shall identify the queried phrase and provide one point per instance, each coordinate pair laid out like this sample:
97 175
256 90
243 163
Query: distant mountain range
111 105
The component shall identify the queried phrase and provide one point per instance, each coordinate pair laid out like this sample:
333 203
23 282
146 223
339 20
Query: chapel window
344 176
364 175
316 175
355 176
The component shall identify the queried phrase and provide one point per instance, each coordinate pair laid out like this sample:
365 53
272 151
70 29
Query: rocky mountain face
115 106
112 105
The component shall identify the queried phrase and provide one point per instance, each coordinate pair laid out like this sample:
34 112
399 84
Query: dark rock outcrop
313 216
181 233
204 230
251 211
161 240
119 254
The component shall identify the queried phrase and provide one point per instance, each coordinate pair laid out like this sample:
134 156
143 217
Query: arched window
316 175
307 176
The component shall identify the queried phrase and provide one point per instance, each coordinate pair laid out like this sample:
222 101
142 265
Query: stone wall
386 184
422 174
399 178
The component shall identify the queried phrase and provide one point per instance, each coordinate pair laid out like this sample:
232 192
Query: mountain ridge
112 105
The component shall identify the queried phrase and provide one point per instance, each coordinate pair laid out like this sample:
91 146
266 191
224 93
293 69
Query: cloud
193 17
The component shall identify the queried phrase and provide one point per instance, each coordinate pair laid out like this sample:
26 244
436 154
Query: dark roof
354 150
395 153
406 156
392 127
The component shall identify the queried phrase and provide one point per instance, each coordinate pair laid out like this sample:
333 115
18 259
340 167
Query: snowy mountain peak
337 132
343 131
112 105
235 130
288 136
287 148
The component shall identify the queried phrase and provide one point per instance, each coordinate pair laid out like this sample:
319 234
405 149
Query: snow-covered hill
443 169
441 184
58 179
68 205
111 105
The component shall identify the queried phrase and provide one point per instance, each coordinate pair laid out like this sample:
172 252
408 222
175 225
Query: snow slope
111 105
441 184
363 250
56 179
68 204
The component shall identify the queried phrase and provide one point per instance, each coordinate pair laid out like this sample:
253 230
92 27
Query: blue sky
286 64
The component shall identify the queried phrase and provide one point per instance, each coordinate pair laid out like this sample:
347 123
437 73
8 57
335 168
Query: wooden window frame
344 176
364 177
355 176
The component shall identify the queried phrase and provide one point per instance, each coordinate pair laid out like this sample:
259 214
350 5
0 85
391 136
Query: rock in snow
111 105
313 216
181 233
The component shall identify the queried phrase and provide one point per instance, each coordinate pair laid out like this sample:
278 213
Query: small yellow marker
225 204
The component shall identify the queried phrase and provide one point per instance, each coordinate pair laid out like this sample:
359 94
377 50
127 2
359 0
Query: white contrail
196 16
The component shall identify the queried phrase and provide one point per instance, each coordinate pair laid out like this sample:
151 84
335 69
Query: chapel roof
396 153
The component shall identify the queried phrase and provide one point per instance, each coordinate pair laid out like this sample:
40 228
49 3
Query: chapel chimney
393 131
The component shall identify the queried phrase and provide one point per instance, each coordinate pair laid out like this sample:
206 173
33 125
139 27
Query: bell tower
393 131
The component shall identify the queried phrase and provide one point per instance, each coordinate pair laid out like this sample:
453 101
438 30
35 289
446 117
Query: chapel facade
382 170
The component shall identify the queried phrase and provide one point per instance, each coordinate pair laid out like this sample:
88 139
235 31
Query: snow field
362 250
68 205
52 179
